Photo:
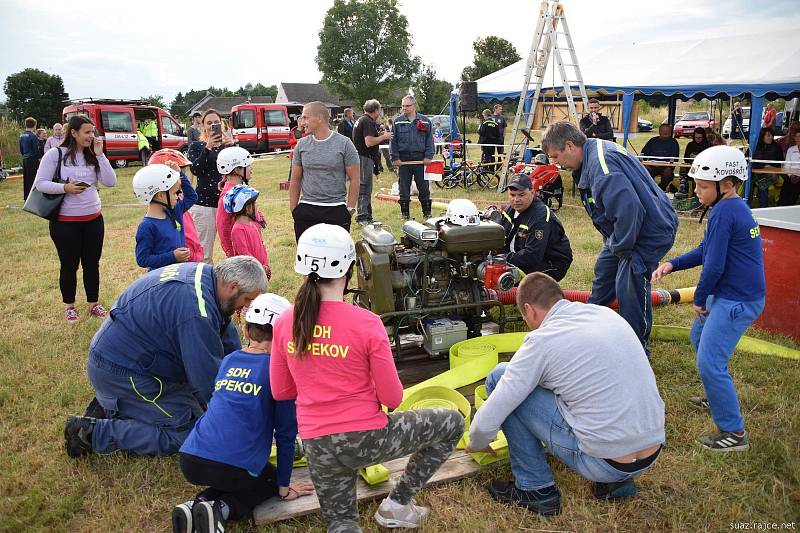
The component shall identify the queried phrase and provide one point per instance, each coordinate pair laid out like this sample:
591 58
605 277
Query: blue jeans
537 420
146 415
404 176
714 338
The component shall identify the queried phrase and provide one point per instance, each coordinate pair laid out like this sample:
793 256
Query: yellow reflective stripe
507 217
601 156
402 122
198 289
153 401
547 218
590 200
621 149
523 226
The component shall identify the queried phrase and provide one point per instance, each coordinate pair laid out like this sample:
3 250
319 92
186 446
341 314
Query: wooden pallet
458 466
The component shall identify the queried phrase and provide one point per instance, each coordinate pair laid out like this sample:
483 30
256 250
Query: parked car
726 128
117 122
263 127
644 125
444 120
689 121
666 120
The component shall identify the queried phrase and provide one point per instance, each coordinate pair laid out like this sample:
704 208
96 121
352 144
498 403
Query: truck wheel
120 163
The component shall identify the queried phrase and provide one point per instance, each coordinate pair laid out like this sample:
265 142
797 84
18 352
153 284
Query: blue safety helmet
237 198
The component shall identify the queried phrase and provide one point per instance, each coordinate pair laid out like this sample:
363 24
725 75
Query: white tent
755 64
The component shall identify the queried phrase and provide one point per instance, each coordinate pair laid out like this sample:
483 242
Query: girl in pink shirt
335 360
240 203
235 165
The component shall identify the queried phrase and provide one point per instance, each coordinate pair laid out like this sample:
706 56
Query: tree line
364 52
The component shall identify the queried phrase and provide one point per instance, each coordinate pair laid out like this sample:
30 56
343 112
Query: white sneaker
391 514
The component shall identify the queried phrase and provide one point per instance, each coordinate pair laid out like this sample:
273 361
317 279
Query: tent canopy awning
764 64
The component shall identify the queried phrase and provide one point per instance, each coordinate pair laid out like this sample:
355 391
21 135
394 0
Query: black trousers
240 491
29 167
79 243
487 154
790 192
307 215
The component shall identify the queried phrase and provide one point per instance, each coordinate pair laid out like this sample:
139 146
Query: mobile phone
216 130
82 184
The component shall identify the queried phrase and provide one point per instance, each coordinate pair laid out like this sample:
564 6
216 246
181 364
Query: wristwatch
351 210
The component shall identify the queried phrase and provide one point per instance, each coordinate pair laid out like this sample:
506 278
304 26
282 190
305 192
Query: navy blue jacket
623 201
409 143
168 324
29 145
540 243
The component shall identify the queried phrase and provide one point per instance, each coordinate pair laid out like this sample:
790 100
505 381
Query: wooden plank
458 466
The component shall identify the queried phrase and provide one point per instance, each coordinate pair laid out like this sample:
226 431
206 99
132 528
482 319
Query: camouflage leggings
334 460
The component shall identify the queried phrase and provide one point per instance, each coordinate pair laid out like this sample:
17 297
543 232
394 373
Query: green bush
10 131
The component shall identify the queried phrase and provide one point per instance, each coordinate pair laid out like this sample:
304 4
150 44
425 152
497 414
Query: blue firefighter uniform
412 141
638 224
154 359
536 241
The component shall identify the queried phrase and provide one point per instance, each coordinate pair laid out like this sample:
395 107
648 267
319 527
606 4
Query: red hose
510 297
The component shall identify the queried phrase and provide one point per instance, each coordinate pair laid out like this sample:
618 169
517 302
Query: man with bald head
324 161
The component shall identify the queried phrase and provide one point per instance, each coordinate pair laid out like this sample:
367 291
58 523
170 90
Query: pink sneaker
98 311
71 315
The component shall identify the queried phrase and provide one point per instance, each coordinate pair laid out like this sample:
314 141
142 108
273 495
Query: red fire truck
264 127
118 121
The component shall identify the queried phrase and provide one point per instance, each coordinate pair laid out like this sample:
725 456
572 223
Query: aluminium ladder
552 24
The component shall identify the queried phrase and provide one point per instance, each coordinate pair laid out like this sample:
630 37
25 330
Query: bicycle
468 174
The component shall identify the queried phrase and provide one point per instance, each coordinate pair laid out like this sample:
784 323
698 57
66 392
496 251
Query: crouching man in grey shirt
581 385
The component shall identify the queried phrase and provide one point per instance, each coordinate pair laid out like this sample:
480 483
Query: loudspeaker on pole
468 95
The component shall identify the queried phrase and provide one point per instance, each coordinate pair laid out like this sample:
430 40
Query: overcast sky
117 49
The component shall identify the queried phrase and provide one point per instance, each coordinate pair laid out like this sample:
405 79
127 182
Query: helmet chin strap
168 205
715 202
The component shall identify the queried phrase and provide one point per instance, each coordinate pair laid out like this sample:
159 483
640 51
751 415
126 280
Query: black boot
426 208
404 204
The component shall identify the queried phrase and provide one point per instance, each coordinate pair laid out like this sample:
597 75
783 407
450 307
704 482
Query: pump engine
437 281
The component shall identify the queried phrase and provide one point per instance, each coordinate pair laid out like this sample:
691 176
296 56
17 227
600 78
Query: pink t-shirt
246 240
196 252
343 378
225 222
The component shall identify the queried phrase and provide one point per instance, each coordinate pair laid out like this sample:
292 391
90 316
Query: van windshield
274 117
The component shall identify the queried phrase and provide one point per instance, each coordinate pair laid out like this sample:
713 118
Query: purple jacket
74 205
52 142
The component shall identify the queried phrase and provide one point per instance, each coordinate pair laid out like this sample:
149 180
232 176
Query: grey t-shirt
323 163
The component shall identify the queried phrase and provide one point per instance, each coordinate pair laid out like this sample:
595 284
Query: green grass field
43 380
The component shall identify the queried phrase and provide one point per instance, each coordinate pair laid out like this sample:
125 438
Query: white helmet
718 162
462 212
266 308
232 157
326 250
153 179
